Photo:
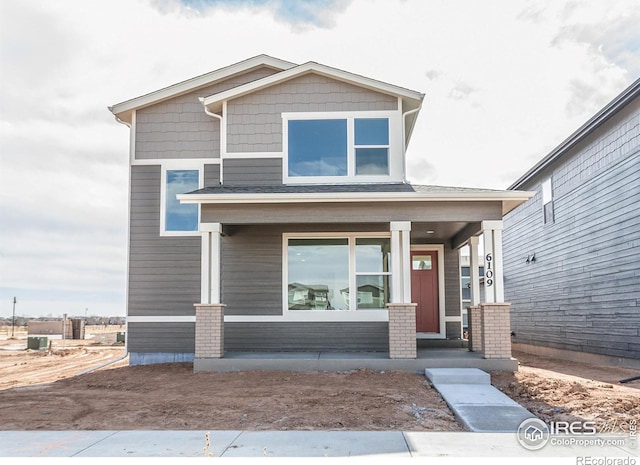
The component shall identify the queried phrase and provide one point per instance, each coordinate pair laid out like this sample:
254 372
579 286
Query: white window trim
172 165
324 315
396 155
439 249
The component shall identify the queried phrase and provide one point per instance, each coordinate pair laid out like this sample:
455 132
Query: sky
505 82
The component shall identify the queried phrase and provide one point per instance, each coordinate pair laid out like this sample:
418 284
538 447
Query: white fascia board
513 197
213 101
124 108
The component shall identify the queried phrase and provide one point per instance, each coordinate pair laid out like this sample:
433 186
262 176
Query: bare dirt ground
40 390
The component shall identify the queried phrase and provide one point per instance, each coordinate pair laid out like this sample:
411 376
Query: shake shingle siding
255 120
583 291
179 127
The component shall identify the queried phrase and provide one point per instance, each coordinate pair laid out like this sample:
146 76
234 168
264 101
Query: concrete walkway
387 444
478 405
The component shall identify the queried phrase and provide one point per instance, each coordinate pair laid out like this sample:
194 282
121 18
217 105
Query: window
547 201
325 273
177 217
318 147
372 146
345 146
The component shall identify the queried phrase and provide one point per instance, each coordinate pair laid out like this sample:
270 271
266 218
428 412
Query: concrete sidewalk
282 444
478 405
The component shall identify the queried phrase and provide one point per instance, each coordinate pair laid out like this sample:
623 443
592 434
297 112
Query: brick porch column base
209 330
402 330
496 330
475 329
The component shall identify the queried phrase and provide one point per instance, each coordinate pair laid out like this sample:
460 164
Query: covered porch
254 311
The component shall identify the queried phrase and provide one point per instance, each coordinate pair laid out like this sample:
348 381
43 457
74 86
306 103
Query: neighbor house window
326 273
547 201
180 217
337 147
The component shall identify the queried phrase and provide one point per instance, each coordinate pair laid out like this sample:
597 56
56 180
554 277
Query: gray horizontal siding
179 127
583 291
253 171
349 212
452 283
252 271
161 337
255 120
325 336
164 272
211 175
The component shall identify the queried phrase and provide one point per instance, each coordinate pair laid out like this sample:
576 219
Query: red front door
424 290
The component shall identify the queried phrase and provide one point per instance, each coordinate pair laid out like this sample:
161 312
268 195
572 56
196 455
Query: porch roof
381 192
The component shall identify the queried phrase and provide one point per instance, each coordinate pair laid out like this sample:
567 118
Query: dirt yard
40 390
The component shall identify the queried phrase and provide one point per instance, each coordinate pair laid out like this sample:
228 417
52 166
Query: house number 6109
488 273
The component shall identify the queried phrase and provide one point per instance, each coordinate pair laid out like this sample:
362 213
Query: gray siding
252 171
326 336
255 120
161 337
252 271
211 175
179 127
164 272
348 212
583 291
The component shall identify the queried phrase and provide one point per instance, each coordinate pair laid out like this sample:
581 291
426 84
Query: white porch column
493 275
474 270
396 281
210 263
400 261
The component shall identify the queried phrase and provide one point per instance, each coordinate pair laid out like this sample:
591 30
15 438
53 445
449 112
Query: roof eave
509 199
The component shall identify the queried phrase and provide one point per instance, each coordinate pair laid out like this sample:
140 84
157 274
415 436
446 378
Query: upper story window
340 147
547 201
177 218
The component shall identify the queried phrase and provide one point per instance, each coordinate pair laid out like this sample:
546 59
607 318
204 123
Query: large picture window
318 147
180 217
325 273
347 147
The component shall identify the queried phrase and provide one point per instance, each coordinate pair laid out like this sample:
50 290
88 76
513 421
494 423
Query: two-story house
269 211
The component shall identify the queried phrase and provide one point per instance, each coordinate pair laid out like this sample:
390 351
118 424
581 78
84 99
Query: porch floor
344 361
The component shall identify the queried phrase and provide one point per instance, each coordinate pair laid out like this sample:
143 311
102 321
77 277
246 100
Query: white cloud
505 82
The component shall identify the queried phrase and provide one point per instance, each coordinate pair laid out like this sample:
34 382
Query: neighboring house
572 252
264 194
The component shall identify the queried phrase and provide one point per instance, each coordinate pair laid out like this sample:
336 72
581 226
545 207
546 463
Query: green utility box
120 337
37 343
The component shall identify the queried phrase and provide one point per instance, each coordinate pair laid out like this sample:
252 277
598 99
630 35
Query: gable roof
619 102
123 110
411 100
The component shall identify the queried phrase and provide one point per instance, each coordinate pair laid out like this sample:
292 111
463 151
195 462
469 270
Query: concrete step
457 376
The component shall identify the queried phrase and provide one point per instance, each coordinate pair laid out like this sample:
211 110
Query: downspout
405 137
207 112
